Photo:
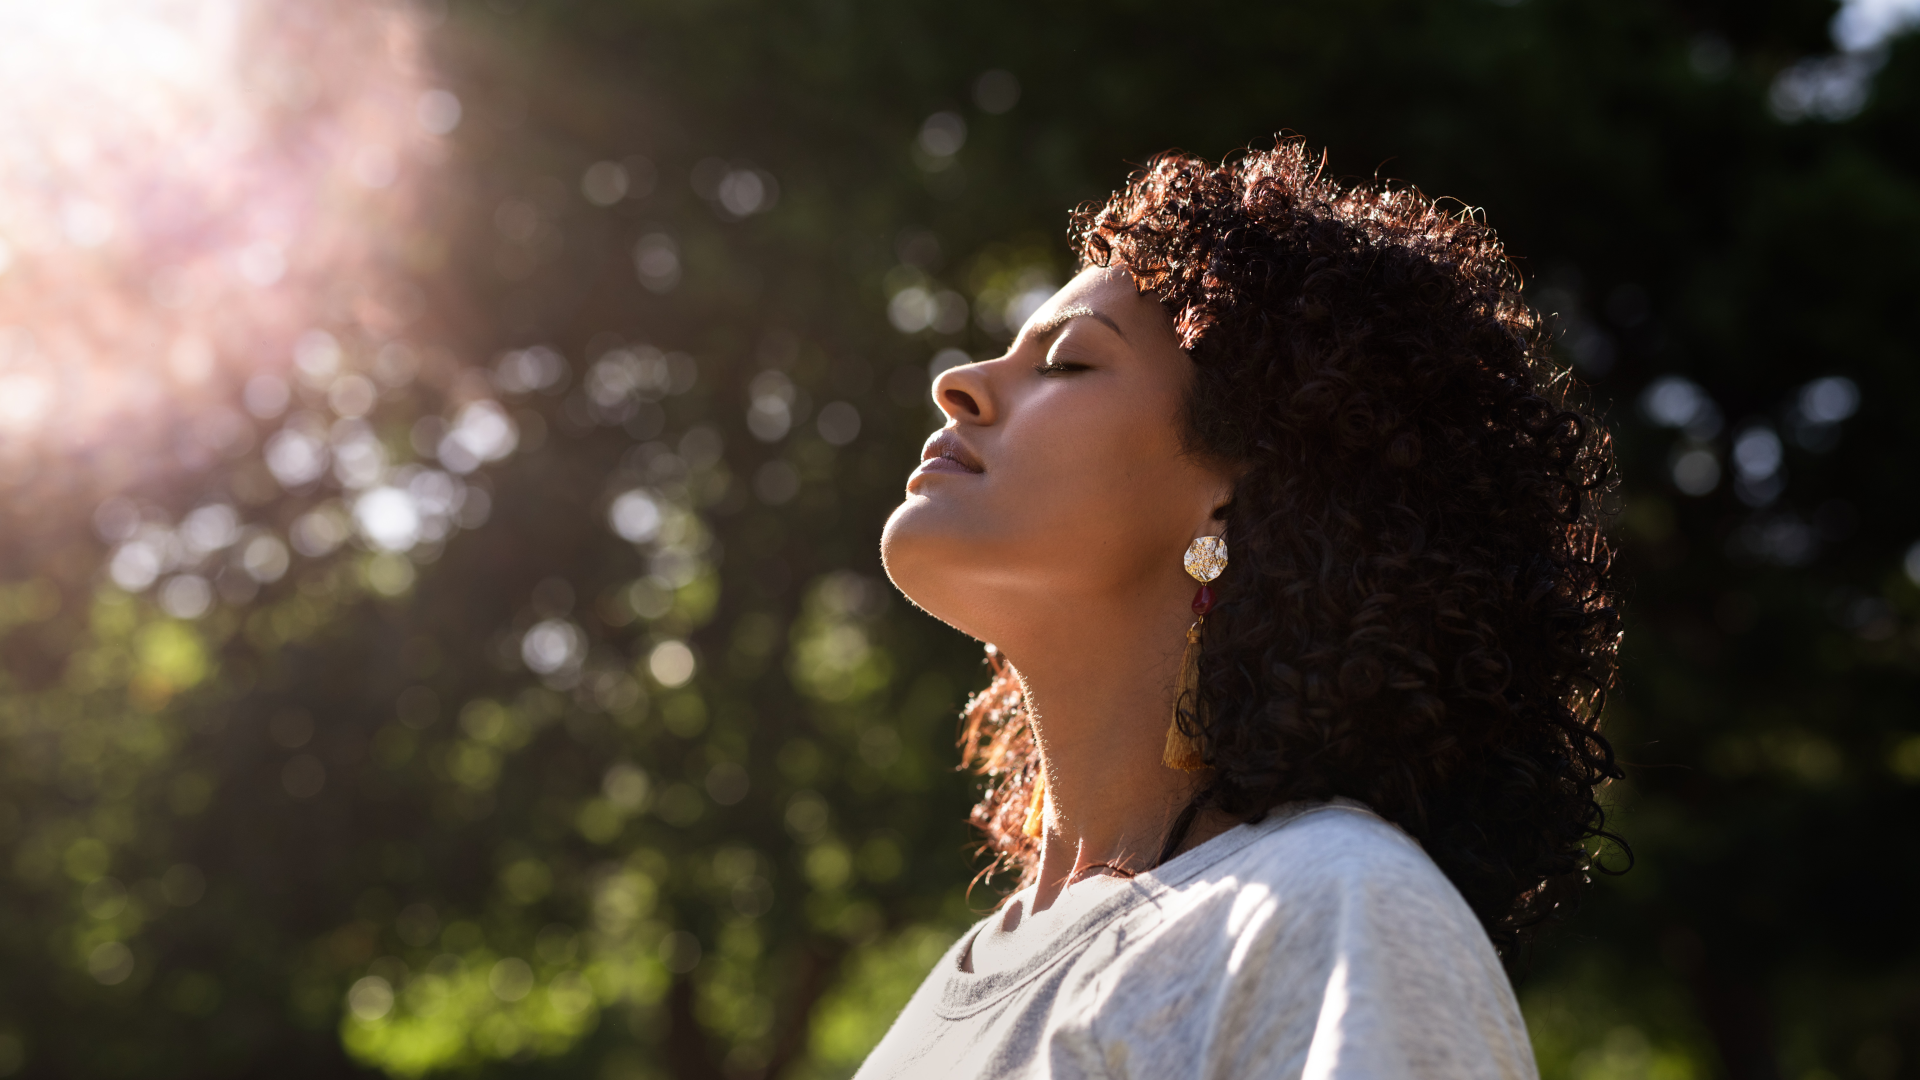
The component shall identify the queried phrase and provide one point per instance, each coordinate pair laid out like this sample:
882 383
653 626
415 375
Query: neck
1100 706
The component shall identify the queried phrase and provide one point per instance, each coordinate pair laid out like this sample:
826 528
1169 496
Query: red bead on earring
1203 600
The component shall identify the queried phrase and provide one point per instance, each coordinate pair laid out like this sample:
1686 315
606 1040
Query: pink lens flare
189 189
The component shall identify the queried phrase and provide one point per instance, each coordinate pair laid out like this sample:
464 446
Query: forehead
1110 291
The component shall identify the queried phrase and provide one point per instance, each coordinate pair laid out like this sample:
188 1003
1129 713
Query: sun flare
184 187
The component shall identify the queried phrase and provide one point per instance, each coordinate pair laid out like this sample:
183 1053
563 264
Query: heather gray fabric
1321 943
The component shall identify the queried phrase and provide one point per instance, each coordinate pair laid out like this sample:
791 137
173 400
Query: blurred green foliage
645 772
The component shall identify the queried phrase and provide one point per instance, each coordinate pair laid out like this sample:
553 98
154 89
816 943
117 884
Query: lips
945 452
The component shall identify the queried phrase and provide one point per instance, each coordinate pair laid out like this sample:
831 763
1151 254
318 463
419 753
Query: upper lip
945 444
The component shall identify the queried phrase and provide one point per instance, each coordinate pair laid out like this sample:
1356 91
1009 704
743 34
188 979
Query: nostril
959 401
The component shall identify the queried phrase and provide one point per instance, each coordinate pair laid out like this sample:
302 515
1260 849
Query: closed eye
1054 368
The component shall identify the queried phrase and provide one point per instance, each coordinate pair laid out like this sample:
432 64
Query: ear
1224 481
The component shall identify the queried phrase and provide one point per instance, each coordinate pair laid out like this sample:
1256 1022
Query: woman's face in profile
1060 477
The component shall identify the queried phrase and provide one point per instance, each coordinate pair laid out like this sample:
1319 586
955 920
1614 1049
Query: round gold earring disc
1206 558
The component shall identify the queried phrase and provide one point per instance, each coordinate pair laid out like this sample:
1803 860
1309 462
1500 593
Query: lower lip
940 465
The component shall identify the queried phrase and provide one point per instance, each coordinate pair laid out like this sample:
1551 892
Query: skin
1049 517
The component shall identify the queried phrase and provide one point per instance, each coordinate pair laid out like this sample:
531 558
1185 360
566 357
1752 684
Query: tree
582 731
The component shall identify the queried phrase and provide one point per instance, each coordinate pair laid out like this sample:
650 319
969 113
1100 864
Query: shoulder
1325 879
1337 844
1307 848
1322 939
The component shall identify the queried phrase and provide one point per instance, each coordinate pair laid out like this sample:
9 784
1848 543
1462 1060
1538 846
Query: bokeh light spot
1829 400
186 596
370 998
510 979
604 183
388 519
671 664
657 260
996 92
839 423
552 646
110 963
1696 471
296 456
636 517
438 112
943 134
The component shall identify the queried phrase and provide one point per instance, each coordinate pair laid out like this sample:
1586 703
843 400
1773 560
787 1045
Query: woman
1285 541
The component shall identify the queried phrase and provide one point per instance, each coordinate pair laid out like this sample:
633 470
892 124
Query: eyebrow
1060 318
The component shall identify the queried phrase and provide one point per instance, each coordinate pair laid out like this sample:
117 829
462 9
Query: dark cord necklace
1118 871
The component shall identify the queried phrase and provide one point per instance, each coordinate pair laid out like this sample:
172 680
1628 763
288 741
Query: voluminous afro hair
1419 611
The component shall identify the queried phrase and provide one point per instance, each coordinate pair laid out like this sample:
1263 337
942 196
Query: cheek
1096 472
1079 498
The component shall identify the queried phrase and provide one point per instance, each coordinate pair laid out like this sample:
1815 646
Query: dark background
595 872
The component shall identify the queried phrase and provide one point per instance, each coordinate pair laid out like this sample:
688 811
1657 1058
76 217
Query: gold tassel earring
1206 558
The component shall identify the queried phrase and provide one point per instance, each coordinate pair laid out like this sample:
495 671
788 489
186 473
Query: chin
903 549
927 562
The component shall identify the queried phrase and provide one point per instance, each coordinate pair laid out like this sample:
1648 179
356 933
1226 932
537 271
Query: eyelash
1053 369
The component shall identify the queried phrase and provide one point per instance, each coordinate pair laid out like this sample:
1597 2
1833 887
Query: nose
965 394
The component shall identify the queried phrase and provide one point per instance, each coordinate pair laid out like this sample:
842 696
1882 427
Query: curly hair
1420 612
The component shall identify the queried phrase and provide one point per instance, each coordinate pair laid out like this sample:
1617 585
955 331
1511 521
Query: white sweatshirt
1320 943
